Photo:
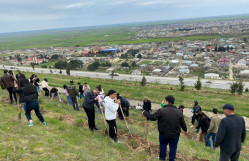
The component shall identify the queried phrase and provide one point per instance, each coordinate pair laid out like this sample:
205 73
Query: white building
212 76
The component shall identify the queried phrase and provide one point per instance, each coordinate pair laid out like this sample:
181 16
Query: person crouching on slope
111 113
30 97
170 121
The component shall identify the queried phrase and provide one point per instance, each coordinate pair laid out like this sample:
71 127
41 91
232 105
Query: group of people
228 133
27 91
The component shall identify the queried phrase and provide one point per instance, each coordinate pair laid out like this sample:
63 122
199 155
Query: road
219 84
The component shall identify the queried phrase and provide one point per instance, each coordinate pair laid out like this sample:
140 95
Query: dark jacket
36 81
28 92
72 90
204 124
89 100
231 133
170 121
7 81
81 89
147 106
125 104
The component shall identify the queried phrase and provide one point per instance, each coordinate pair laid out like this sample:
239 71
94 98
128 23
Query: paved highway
220 84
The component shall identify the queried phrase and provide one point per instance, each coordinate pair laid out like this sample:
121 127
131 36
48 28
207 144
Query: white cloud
79 5
16 18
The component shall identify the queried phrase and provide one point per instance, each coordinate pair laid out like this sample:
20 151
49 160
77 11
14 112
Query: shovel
125 120
147 134
106 130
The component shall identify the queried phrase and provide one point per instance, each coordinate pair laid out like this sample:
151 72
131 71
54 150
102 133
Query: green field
81 37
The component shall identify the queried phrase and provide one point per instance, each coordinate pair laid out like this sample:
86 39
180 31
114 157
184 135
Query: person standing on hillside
73 94
30 98
7 82
111 113
170 121
86 88
36 83
196 109
147 105
67 95
125 105
91 98
213 128
230 135
81 91
101 99
45 87
204 123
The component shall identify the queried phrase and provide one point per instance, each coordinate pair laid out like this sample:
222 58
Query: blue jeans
33 105
38 89
163 147
69 100
213 135
81 95
58 95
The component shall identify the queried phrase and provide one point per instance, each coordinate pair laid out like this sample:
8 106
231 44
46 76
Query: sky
26 15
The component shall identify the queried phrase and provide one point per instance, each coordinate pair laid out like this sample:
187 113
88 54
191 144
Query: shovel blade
19 116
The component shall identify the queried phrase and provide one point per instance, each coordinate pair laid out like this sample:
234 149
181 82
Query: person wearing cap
170 122
230 135
213 128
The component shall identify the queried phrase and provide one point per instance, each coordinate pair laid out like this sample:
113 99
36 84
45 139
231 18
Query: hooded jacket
110 108
27 90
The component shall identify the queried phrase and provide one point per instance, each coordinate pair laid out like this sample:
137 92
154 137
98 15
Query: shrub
198 84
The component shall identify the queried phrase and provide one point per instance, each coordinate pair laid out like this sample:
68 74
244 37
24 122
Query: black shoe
91 129
95 128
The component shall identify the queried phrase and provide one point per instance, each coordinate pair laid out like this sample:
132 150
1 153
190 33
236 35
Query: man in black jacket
231 133
170 122
91 98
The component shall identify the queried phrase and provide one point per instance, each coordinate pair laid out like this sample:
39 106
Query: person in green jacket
213 128
73 93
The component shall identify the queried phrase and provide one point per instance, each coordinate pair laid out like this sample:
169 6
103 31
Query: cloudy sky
25 15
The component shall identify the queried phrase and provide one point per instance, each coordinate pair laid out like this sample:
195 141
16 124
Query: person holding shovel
111 113
91 98
170 122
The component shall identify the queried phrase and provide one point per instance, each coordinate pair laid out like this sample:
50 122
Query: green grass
207 98
69 140
157 63
82 37
145 62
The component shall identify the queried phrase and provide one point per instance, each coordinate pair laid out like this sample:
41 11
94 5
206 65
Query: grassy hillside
66 137
207 98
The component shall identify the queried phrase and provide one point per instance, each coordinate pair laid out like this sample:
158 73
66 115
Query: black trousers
226 157
46 92
112 129
75 103
126 112
91 117
10 94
